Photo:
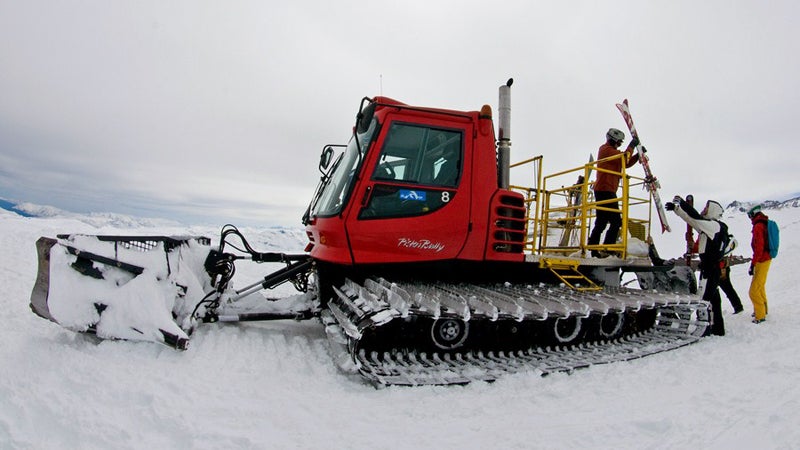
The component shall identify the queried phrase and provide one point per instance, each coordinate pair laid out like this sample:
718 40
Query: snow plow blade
121 287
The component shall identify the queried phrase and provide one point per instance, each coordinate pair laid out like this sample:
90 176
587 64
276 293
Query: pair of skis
650 181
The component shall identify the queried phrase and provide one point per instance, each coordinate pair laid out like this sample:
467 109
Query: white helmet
713 210
615 135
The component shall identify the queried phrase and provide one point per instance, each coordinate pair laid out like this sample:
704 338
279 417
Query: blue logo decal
406 194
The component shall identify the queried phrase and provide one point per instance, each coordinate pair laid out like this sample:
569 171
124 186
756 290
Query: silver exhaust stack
504 136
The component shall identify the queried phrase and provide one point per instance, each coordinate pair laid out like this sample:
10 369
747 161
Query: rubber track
356 307
412 369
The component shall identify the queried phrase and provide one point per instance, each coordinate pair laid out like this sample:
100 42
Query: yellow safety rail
532 197
635 211
561 210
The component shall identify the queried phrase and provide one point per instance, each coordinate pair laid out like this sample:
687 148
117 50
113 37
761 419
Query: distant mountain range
10 206
32 210
94 219
767 204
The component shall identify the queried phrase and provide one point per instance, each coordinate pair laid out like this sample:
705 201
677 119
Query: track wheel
611 325
449 334
566 330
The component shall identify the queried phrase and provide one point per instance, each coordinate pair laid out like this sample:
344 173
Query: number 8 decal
445 196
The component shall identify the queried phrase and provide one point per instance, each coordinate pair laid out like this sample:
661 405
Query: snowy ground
273 385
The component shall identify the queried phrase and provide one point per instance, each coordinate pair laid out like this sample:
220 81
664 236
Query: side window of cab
417 171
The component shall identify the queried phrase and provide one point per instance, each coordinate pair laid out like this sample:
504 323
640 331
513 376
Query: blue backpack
773 238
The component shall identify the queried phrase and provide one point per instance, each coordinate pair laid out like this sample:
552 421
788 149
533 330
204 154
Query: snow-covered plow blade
122 287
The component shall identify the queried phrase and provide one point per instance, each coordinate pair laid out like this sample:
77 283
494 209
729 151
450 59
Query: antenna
381 86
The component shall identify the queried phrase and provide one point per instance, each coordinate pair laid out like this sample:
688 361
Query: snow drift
273 385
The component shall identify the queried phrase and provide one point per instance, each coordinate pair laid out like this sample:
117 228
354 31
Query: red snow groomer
425 263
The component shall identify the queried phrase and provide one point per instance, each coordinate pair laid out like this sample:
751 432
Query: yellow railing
532 196
561 210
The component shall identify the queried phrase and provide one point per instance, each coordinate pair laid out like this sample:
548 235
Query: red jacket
609 182
759 241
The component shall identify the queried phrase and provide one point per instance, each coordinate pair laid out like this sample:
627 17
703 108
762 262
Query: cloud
182 108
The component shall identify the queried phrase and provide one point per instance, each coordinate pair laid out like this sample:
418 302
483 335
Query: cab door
414 205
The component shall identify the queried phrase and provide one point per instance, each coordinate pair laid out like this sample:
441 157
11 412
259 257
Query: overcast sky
217 111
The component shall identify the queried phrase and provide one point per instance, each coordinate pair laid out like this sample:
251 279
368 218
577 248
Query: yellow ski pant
758 289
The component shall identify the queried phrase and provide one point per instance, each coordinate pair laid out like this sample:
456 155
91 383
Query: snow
274 385
134 307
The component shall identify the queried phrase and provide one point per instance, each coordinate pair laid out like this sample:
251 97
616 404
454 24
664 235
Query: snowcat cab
417 185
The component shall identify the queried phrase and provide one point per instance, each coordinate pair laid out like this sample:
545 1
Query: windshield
337 189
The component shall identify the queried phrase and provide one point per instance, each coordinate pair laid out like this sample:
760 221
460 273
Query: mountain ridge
740 206
26 209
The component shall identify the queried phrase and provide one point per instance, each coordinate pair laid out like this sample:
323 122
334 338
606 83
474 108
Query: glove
669 206
677 200
634 142
750 271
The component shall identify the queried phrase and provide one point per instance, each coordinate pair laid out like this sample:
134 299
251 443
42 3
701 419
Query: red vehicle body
423 188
